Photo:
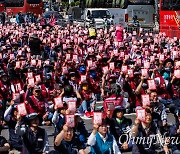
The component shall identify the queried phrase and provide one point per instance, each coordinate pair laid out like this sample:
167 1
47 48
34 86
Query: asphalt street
88 123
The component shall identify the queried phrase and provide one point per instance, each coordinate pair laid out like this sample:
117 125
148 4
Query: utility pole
156 15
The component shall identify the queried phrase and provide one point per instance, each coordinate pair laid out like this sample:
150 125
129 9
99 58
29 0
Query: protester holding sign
101 141
34 138
67 142
120 125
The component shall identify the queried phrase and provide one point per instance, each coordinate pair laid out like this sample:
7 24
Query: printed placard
23 63
177 64
70 120
1 56
146 64
152 59
112 65
89 63
72 106
68 56
130 73
16 97
161 57
11 56
30 75
58 102
22 109
177 73
75 57
141 114
126 57
151 84
31 82
105 69
110 106
83 78
97 118
145 100
144 73
33 62
38 78
138 62
64 69
18 87
39 63
18 64
64 46
121 54
124 68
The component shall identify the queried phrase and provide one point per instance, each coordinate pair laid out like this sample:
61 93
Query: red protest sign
18 87
22 109
177 73
146 65
16 97
38 78
31 82
72 106
141 114
58 102
112 65
145 100
151 84
33 62
68 56
89 63
105 69
97 118
124 68
30 75
130 73
18 64
83 78
144 73
70 120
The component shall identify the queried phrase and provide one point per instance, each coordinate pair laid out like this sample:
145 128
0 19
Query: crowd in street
53 75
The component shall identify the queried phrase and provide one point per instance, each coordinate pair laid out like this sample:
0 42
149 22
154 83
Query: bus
33 6
170 17
1 5
123 11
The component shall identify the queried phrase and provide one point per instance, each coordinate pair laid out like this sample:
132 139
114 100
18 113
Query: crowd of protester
52 75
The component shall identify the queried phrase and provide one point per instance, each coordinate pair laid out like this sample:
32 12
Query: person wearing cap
88 102
10 116
35 139
120 126
101 141
37 103
68 142
92 31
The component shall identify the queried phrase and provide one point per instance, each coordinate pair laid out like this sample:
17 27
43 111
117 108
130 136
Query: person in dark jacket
174 134
146 130
35 46
120 127
10 116
34 137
